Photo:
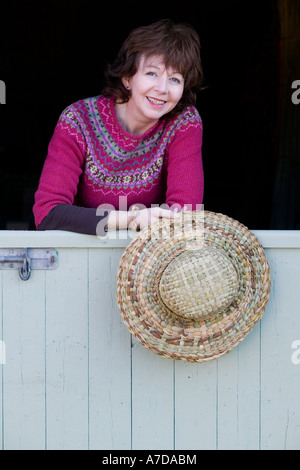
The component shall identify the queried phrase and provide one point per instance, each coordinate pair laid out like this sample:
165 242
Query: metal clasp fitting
26 260
25 269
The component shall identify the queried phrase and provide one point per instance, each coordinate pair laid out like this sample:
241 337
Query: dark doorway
54 53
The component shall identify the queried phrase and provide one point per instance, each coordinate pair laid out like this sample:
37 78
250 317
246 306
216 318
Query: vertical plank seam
217 405
45 359
174 406
2 369
238 402
260 388
131 392
88 345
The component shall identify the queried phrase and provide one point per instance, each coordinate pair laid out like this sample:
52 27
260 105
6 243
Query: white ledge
278 238
120 239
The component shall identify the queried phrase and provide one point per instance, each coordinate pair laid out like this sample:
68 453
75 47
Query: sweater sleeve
76 219
185 177
62 168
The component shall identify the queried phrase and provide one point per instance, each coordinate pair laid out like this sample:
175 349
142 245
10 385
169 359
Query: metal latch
26 259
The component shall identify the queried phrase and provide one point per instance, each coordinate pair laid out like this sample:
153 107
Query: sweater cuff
75 219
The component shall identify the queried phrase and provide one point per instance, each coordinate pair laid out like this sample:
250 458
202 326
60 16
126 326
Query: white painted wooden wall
74 378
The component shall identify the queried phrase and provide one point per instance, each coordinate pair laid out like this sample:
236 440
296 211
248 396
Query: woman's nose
162 84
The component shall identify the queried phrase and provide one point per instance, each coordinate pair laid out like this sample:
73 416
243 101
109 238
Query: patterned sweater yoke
92 160
115 158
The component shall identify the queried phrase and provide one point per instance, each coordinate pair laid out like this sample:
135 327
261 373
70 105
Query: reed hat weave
192 288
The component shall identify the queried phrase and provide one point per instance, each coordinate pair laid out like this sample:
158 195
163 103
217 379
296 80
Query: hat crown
199 283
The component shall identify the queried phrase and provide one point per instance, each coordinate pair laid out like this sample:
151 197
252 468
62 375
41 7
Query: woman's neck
129 123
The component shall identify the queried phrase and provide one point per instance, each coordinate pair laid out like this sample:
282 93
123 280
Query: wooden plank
64 326
152 400
67 352
62 239
24 372
280 406
227 407
195 405
239 395
281 377
109 357
217 404
248 391
1 363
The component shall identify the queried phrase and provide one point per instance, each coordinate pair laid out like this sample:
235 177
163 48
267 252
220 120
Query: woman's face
155 90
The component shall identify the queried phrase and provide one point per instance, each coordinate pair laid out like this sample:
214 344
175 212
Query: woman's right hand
144 217
138 219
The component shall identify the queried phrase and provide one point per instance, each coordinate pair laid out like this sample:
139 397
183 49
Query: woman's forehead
156 61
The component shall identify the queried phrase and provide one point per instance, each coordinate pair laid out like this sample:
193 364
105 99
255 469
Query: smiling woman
141 140
155 92
176 46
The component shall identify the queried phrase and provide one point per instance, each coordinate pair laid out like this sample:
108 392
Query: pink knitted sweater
92 161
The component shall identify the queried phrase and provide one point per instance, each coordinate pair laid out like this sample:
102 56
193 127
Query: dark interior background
54 53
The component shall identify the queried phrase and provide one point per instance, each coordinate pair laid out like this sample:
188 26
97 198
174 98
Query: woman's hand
138 219
144 217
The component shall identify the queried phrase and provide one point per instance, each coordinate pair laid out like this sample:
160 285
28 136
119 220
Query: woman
114 160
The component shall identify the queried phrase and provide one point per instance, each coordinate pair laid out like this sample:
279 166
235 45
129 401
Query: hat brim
150 320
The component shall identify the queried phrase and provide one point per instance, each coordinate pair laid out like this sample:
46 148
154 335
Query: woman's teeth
155 101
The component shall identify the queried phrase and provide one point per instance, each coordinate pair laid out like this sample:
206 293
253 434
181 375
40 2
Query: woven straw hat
192 288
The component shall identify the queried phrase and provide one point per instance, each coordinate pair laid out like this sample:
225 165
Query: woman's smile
156 101
161 87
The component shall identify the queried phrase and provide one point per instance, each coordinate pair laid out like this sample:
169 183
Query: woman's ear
125 82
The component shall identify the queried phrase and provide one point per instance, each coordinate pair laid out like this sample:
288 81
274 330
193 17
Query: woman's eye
176 80
151 74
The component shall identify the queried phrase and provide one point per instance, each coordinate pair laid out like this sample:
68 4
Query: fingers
164 213
146 217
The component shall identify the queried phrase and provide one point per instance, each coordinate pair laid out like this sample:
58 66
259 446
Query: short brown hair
178 44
